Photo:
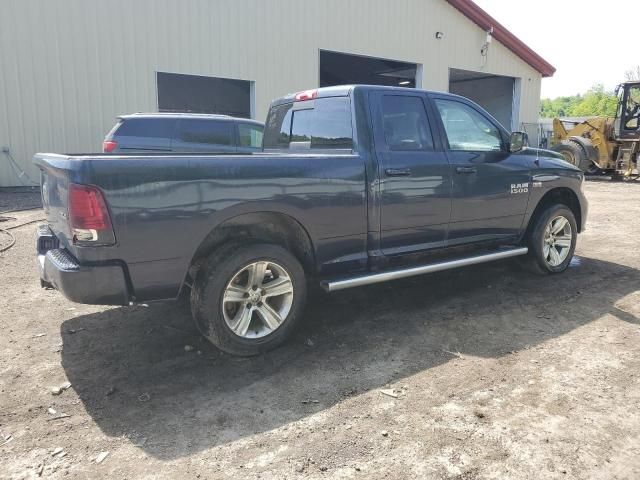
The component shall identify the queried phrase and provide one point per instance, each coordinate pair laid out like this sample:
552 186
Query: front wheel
574 154
247 300
552 241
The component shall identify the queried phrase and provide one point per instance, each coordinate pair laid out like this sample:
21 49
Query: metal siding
68 68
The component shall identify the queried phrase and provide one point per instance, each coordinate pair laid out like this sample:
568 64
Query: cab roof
344 91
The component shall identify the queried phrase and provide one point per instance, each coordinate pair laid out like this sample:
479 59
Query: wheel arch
561 195
265 226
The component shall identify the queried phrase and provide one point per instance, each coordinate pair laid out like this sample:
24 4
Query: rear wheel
552 240
247 300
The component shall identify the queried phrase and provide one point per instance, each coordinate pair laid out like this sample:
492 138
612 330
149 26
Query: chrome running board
335 285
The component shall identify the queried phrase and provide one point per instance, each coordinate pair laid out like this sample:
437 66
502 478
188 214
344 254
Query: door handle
397 172
466 169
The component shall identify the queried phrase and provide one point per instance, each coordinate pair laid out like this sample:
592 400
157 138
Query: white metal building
69 67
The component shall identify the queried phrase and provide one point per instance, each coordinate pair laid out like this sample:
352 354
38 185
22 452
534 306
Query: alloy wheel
258 299
557 240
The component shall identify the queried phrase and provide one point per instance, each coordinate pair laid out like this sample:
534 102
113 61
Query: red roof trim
504 36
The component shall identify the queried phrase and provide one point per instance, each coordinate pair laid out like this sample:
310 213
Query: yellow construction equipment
604 144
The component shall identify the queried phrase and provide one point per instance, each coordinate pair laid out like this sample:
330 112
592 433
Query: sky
586 43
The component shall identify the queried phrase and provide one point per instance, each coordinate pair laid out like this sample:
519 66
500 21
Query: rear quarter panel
57 171
163 207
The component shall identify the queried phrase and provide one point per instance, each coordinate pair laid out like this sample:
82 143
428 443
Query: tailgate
54 184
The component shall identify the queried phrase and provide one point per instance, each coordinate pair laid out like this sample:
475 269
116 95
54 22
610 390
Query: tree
595 102
633 74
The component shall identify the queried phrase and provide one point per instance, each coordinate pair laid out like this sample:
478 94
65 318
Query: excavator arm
559 131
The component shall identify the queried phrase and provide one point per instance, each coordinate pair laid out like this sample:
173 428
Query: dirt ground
498 374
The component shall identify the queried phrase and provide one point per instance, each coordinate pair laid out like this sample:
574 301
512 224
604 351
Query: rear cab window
320 124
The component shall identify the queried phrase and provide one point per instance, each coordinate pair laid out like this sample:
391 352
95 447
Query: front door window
467 129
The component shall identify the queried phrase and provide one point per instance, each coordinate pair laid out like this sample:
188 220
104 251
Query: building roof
504 36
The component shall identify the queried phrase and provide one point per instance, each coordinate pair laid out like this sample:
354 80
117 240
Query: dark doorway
494 93
198 94
344 69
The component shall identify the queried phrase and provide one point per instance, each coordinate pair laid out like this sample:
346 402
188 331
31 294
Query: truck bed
164 206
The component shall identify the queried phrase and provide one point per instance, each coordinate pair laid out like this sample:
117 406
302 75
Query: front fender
557 177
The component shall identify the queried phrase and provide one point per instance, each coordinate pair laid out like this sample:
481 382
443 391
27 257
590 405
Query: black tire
591 153
537 260
594 170
574 154
214 277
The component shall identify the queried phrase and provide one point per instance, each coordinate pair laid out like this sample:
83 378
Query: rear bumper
91 284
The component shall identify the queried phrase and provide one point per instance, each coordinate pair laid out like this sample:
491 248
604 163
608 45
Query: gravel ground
19 198
494 373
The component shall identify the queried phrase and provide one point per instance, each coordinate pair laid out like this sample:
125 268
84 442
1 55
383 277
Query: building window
199 94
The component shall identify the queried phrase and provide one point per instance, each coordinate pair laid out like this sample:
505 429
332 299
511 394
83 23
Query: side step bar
335 285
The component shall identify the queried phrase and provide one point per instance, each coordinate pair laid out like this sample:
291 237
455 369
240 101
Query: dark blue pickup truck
355 185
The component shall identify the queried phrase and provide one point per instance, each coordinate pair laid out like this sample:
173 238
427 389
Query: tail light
305 95
89 218
109 146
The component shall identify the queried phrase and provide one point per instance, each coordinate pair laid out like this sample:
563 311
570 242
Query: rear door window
207 132
405 123
326 124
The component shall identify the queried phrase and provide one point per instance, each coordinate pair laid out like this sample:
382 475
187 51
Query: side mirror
518 141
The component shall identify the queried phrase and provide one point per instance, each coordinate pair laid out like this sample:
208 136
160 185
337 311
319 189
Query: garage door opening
494 93
199 94
344 69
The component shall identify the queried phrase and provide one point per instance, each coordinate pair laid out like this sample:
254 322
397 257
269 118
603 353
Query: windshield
632 108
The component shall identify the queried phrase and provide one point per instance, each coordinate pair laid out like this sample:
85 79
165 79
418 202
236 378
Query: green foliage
596 102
